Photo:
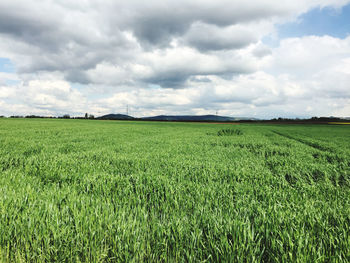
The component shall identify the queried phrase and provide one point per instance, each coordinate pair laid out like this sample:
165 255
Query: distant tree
33 116
86 115
91 116
66 116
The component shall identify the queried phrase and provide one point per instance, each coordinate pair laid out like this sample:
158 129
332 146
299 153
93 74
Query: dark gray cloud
56 38
158 30
22 25
170 80
206 37
157 22
176 77
75 37
34 26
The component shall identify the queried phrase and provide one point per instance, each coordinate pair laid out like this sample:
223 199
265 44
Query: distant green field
109 191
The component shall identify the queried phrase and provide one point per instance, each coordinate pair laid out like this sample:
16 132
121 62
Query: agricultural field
114 191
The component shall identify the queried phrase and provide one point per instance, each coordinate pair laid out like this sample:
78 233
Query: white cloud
320 65
169 57
52 97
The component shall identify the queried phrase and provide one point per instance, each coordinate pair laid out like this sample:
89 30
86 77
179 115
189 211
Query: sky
242 58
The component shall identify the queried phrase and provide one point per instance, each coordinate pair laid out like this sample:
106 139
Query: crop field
114 191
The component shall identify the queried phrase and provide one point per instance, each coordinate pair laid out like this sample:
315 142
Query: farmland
109 191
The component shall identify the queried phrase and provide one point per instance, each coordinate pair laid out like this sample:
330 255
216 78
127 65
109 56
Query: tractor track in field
310 144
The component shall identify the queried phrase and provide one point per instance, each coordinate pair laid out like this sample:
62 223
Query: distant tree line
65 116
89 116
312 120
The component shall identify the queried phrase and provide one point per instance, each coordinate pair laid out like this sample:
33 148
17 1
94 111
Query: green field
109 191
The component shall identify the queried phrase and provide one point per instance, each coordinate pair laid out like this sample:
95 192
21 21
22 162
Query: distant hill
116 117
213 118
193 118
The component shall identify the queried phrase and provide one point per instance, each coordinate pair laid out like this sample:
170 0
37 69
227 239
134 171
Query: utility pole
127 109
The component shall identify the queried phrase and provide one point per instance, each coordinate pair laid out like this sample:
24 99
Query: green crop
229 132
109 191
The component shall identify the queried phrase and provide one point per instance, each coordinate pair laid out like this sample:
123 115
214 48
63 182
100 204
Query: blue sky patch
6 65
319 22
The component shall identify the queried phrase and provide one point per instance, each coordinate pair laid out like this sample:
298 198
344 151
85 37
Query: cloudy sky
255 58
